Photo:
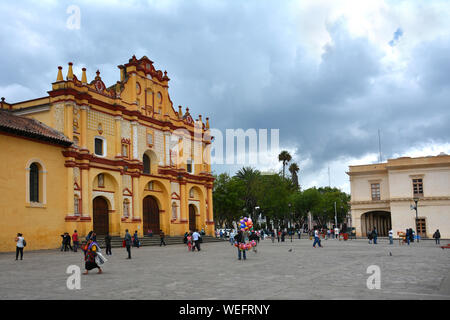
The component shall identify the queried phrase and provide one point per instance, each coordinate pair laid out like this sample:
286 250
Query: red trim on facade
103 191
71 218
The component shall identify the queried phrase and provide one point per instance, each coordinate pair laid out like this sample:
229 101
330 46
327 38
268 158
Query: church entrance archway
100 216
150 215
192 218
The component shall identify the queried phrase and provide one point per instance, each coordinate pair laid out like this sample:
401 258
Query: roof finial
180 112
59 77
70 72
207 123
83 76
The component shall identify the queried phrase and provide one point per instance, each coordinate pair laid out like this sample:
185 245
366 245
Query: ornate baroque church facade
91 157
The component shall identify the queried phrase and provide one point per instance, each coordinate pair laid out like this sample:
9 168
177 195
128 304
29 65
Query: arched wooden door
100 216
150 215
192 222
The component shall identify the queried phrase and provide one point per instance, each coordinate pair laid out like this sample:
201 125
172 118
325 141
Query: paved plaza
336 271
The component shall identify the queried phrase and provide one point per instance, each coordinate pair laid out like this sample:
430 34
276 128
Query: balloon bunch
244 246
246 224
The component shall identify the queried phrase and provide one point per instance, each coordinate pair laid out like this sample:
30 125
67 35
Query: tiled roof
31 128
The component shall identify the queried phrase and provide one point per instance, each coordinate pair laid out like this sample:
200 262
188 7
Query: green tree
284 157
273 198
228 201
324 211
250 179
293 169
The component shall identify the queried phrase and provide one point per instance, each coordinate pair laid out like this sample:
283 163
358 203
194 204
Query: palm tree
293 169
250 178
285 157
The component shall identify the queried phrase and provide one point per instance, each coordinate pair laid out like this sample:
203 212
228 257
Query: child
189 242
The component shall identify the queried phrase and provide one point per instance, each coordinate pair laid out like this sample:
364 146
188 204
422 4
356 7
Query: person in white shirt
316 238
336 233
391 236
196 239
232 237
19 246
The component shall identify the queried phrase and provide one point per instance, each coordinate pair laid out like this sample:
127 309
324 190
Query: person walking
88 237
90 252
108 244
375 235
20 244
161 238
411 235
135 239
437 236
369 236
66 241
407 236
336 233
62 241
278 235
196 240
189 241
391 236
240 239
76 242
253 236
316 238
272 235
232 234
127 240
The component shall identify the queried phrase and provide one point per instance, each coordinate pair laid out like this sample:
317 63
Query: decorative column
134 139
70 193
167 147
118 135
85 192
83 141
183 202
136 204
210 204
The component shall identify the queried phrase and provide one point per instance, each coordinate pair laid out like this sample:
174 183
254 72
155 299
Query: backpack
24 243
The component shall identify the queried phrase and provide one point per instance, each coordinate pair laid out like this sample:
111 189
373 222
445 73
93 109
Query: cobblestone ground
336 271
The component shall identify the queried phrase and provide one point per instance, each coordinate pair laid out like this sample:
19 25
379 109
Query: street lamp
290 212
416 200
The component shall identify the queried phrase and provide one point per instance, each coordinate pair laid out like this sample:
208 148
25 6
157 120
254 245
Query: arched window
146 161
34 182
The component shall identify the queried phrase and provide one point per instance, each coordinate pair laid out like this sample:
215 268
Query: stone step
116 242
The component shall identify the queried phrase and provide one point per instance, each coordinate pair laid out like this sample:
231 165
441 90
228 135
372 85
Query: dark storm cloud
243 64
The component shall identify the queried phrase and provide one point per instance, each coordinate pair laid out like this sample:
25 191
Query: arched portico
379 219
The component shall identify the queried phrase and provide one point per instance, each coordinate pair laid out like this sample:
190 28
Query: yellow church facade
90 157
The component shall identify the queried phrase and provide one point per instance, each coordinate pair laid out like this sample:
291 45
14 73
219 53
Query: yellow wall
75 115
41 225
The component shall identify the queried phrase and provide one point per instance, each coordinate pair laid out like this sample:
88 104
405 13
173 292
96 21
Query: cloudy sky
328 74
